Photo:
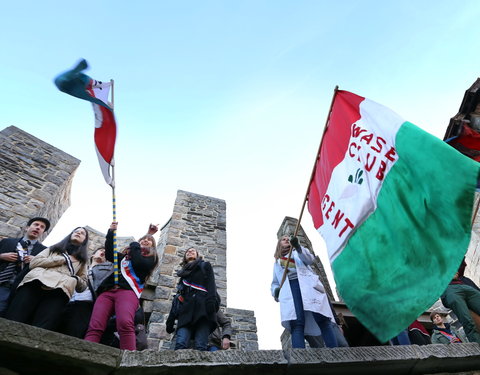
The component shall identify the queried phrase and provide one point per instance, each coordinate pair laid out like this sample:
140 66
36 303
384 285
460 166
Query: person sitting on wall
463 295
220 338
443 333
417 334
15 256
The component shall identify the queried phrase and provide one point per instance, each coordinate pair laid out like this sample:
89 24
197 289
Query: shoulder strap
451 337
69 263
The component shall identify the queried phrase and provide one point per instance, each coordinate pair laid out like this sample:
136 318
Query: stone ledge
410 359
29 350
195 362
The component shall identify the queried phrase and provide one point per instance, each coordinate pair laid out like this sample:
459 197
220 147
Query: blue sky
226 99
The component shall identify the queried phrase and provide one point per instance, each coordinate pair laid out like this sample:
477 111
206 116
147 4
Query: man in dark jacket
16 254
220 338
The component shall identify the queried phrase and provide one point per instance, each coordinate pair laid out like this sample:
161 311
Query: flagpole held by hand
308 187
114 206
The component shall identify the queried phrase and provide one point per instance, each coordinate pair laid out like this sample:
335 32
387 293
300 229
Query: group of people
306 311
59 288
462 296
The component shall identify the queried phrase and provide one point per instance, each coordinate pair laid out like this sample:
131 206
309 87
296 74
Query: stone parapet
29 350
244 326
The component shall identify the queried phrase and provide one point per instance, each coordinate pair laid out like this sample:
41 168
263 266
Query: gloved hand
276 293
210 306
170 328
294 242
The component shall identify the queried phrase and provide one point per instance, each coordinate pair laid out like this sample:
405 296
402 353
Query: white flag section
105 130
352 193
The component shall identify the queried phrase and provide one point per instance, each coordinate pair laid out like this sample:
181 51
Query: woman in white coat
304 304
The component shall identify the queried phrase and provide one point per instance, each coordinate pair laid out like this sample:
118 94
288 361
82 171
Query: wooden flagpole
308 187
114 206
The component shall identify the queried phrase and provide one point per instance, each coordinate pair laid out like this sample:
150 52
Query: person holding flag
304 304
74 82
136 263
392 202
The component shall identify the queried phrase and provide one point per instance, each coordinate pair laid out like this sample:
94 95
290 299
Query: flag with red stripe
78 84
394 205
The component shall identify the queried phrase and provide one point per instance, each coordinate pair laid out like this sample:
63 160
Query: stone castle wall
36 179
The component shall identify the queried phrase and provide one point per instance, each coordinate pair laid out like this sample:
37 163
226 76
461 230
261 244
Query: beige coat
52 271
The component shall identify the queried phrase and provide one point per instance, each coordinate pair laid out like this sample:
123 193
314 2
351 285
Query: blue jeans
200 331
401 339
298 326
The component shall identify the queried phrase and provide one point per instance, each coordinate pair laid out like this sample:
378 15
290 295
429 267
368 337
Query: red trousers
121 302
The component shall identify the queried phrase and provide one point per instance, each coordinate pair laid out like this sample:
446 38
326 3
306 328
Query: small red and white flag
78 84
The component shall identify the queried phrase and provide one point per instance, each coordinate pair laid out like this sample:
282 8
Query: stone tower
36 179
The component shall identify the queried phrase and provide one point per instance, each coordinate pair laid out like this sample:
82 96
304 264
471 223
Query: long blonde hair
278 250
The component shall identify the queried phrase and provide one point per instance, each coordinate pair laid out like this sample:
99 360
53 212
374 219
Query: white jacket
314 297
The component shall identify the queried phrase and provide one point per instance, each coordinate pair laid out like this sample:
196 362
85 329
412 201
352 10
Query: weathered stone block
162 306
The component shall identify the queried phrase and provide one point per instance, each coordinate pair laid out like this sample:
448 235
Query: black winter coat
142 266
8 245
198 304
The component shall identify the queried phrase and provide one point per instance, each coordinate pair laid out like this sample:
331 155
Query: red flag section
345 111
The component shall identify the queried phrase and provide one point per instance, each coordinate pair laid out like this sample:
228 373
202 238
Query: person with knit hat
15 257
55 274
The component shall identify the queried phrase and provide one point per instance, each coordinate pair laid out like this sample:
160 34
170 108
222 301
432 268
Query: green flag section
409 213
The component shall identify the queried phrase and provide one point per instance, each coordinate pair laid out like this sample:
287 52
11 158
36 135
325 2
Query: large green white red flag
394 205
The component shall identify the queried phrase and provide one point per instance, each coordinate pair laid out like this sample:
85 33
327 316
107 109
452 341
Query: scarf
188 268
